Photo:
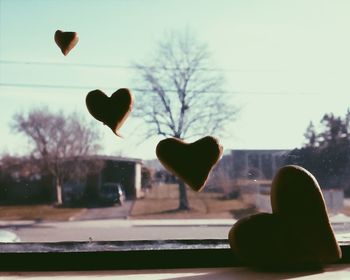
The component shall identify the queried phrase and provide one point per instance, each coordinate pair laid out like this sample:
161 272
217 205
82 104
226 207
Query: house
22 181
115 172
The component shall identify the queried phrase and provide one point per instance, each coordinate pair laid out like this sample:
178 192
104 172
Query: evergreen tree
326 154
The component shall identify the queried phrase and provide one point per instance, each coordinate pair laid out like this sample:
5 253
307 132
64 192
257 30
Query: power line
75 87
61 64
127 67
18 85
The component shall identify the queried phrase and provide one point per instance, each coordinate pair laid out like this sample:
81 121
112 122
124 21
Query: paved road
121 229
103 230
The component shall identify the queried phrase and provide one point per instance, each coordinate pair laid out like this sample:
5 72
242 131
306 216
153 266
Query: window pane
268 80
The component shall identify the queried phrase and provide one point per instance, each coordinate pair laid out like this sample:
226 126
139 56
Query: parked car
8 237
112 193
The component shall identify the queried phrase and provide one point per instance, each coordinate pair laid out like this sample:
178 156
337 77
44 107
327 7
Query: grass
38 213
162 203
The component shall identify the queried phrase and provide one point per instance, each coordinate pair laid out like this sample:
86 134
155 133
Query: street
114 229
124 229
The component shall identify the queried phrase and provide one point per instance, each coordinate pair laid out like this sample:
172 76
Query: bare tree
61 142
181 93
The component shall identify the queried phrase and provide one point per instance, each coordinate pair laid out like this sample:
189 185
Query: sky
285 63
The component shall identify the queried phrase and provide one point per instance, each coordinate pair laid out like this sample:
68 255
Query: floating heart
112 111
297 233
66 40
190 162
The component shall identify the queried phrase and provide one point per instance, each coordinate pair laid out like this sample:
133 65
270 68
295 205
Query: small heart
112 111
190 162
297 233
66 40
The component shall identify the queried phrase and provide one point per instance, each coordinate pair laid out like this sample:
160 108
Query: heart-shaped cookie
297 233
66 40
112 111
190 162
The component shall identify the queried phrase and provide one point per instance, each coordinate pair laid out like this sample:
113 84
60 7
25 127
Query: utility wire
84 65
74 87
128 67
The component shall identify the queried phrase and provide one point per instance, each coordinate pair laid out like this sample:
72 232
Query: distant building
256 164
240 167
22 182
121 171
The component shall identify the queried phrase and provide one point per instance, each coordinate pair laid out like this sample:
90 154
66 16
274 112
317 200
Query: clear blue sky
287 61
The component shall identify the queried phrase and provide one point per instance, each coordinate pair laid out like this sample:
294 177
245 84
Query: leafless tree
180 94
61 142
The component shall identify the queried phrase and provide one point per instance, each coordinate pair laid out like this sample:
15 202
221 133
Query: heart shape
297 233
66 41
190 162
112 111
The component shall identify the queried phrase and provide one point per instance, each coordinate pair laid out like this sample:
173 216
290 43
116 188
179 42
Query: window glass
268 79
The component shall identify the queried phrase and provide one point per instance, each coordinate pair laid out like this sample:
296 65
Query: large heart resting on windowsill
297 233
190 162
66 41
112 111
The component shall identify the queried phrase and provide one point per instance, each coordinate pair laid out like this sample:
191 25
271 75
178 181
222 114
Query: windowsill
337 271
123 255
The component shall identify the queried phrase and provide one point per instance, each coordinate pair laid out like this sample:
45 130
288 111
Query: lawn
161 202
38 212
